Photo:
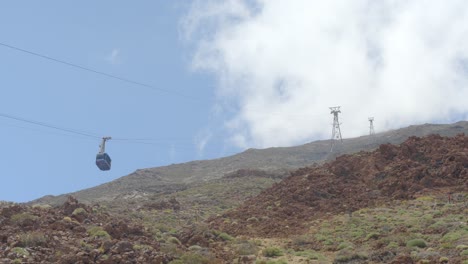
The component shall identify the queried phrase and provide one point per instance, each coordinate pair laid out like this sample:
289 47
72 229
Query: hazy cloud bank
281 64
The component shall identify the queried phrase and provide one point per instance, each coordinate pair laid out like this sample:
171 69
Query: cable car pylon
103 161
336 131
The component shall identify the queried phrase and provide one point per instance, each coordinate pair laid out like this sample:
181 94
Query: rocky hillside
78 233
72 233
351 182
173 178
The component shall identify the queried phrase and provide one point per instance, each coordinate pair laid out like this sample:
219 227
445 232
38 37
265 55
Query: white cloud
201 140
114 58
281 64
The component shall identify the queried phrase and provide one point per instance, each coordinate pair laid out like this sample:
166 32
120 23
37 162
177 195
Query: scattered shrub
281 261
372 236
195 248
246 248
357 233
20 251
23 219
302 240
171 249
173 240
347 256
437 213
443 260
225 237
425 198
163 228
252 219
32 239
86 246
343 245
452 236
392 245
78 211
446 245
272 252
98 232
42 206
192 258
309 254
416 243
142 247
328 242
257 242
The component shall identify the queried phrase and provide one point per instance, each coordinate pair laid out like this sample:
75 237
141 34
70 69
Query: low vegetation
272 252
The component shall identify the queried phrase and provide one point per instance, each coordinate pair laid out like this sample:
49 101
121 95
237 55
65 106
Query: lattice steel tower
371 127
336 131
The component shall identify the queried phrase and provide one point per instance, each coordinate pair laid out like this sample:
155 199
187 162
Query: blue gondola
103 161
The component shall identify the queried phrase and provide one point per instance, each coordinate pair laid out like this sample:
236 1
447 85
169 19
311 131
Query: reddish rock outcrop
351 182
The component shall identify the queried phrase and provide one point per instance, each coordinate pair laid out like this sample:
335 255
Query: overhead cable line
69 130
98 72
147 141
58 133
144 141
49 126
133 81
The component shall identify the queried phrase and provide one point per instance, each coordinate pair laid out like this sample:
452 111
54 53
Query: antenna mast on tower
336 131
371 127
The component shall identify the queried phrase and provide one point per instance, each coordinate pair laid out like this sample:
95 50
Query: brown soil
351 182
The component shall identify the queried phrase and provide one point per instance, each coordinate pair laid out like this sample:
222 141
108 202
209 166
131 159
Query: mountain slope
168 179
351 182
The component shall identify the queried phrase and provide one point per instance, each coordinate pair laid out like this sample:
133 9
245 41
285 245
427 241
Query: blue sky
134 40
218 76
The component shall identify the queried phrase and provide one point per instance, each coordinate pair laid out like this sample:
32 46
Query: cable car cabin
103 161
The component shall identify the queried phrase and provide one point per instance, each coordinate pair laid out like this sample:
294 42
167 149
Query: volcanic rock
54 235
351 182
